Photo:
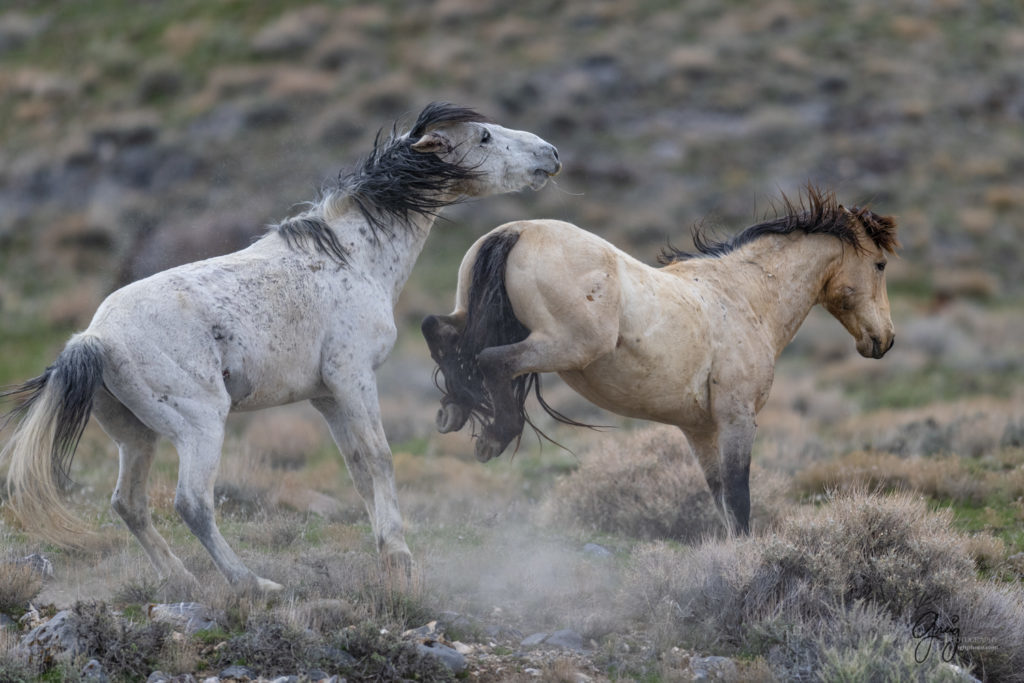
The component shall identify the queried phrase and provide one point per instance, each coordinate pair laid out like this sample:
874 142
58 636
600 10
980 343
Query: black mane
816 213
392 185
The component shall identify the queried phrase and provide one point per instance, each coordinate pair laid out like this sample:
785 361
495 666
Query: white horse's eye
486 137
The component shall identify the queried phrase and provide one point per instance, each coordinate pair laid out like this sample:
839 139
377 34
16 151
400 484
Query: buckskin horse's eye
486 137
880 266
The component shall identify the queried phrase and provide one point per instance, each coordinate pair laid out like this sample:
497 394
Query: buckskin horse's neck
783 277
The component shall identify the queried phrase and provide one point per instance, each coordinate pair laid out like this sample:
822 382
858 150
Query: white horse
692 344
305 313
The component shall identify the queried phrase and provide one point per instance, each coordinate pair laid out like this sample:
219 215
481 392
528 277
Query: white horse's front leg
354 420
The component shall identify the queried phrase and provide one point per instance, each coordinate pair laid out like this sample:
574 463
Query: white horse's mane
392 185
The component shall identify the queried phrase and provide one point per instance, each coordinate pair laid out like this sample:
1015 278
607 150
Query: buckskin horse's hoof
451 418
488 448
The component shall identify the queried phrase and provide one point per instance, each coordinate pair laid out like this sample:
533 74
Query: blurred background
138 135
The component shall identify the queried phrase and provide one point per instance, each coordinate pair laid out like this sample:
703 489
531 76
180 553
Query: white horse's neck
386 259
785 277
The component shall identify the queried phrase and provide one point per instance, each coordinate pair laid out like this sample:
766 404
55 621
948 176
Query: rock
7 622
534 640
595 550
237 673
53 640
290 679
565 639
37 563
713 669
449 657
162 677
93 672
317 675
428 630
184 616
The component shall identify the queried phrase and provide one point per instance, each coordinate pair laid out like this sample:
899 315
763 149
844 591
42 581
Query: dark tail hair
490 321
51 415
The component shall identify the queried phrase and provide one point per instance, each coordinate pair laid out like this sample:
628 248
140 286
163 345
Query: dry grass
833 591
647 485
18 585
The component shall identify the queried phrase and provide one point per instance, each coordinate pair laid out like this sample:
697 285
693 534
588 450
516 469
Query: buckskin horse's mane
815 213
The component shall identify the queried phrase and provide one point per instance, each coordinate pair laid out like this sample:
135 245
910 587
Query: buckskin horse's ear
843 209
432 143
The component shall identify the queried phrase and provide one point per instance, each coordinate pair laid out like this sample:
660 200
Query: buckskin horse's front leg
442 335
735 439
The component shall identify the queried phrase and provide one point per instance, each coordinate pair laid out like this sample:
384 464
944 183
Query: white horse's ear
432 143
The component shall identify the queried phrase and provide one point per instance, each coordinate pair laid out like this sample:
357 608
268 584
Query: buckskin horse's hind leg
442 334
498 366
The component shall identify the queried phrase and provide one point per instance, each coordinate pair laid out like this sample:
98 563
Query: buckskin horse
692 344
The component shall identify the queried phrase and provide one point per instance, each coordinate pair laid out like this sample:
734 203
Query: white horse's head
499 159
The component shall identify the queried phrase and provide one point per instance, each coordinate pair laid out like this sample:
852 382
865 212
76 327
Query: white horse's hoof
268 586
451 418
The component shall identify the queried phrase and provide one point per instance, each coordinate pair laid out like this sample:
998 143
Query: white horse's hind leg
199 455
354 421
136 446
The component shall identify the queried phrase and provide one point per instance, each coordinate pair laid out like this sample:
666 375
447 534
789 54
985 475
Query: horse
692 343
304 313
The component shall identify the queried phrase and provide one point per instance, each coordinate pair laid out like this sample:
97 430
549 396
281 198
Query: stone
428 630
159 677
52 640
566 639
534 639
7 622
93 672
595 550
237 673
37 563
713 669
184 616
449 657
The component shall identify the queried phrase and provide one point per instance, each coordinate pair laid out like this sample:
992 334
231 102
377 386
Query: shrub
833 594
648 486
126 652
888 550
18 585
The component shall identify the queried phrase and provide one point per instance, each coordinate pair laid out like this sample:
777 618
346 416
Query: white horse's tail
50 417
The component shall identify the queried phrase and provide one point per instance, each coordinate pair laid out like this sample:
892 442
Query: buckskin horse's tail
490 321
50 416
